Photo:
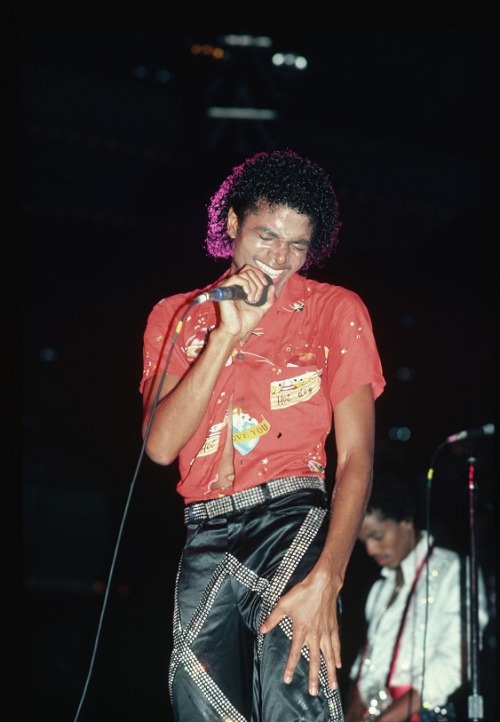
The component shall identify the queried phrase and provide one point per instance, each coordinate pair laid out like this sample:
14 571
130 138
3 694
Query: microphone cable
156 400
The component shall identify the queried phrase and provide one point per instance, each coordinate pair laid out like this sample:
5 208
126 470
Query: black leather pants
233 569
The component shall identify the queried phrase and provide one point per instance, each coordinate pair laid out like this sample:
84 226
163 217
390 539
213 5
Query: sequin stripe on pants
232 571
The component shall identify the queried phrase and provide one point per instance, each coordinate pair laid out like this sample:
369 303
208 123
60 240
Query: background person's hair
280 177
393 498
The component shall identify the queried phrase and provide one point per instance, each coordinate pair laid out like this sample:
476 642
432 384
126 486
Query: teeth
269 271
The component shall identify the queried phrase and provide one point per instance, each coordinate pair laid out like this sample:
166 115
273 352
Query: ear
232 223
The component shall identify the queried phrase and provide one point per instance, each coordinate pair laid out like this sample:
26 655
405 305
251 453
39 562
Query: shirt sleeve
161 326
447 645
443 658
354 360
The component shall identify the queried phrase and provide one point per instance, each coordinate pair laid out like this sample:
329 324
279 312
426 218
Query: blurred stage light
405 373
242 113
289 60
399 433
247 41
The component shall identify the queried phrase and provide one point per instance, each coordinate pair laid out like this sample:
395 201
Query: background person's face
387 541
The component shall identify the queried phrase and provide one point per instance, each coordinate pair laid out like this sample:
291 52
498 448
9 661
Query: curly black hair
393 498
280 178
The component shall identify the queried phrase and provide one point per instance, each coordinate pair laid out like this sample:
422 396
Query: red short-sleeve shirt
314 347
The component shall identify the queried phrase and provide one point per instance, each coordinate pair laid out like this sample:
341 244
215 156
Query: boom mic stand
475 699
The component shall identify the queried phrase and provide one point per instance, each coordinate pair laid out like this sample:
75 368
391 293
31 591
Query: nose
279 253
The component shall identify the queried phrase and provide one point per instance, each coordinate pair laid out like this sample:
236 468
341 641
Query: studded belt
202 510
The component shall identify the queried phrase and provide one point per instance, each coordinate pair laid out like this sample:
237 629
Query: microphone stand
475 700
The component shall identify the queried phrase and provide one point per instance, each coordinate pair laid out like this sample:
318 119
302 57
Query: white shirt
433 623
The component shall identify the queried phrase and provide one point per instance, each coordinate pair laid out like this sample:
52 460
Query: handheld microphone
485 430
232 293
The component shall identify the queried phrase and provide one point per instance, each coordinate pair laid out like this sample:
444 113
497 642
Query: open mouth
271 272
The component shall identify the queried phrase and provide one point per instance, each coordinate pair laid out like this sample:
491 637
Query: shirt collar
410 563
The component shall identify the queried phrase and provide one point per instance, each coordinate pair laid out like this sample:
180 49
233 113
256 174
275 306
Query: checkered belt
201 510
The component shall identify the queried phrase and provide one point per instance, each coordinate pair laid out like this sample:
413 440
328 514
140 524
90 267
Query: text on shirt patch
287 392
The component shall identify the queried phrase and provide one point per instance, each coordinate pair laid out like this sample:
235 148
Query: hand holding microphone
232 293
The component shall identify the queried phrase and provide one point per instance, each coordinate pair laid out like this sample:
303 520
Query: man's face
275 241
387 541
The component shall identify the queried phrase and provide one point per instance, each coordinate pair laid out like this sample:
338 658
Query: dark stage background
125 134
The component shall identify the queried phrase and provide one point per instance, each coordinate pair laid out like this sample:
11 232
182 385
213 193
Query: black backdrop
119 156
